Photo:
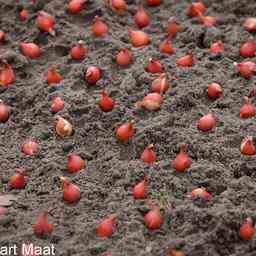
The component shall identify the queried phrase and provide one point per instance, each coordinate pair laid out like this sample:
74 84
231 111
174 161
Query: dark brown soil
198 228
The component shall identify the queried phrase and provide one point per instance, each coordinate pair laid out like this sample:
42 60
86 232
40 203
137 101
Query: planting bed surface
113 168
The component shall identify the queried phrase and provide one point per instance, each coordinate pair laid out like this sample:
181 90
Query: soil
198 228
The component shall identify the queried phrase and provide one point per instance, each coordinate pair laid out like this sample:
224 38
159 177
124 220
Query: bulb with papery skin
30 147
166 47
246 69
175 252
141 18
71 192
200 193
148 155
78 51
118 6
18 180
173 28
42 227
45 22
154 66
92 75
248 110
195 8
124 58
53 76
247 230
125 131
217 47
140 190
206 123
151 102
4 112
23 14
75 163
247 147
107 227
182 161
208 21
99 28
186 61
250 24
30 50
160 84
214 91
76 6
106 103
63 127
2 36
248 49
57 105
138 38
7 75
153 219
153 2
